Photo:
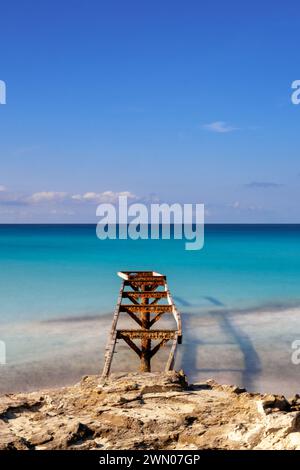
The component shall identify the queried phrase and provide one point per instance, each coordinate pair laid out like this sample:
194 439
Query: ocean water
59 282
55 271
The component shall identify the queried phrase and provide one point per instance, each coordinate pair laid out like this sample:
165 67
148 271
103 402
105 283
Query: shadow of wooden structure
145 297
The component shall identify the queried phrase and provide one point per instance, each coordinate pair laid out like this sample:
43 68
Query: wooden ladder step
147 308
143 274
150 281
145 295
149 334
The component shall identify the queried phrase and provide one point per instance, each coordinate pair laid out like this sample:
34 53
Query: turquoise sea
239 297
50 271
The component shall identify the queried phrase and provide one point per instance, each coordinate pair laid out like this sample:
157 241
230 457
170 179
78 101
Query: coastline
155 411
252 350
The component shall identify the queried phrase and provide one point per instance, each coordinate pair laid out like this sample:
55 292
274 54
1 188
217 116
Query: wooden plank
146 308
135 318
145 295
145 362
111 344
156 318
150 334
172 355
152 282
136 274
109 354
131 344
158 346
176 314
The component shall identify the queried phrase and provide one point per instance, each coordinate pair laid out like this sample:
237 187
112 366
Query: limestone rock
148 411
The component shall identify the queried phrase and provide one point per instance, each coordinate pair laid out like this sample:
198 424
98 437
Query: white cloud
263 185
104 197
56 197
61 212
221 127
8 198
244 207
46 196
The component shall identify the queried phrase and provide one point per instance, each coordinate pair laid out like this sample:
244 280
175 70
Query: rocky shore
150 411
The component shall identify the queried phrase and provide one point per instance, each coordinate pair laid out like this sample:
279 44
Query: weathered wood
176 314
152 334
172 355
109 354
144 298
146 281
149 308
158 346
154 301
156 318
147 295
139 274
135 318
131 344
145 364
132 299
111 344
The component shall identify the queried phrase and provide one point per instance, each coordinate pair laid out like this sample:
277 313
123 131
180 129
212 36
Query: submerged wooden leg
145 365
145 355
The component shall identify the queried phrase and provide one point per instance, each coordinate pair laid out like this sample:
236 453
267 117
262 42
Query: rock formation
149 411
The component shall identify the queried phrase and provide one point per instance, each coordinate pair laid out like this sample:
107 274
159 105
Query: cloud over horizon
220 127
53 197
263 185
104 197
46 196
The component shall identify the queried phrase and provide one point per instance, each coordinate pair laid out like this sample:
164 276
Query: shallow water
65 270
249 349
235 296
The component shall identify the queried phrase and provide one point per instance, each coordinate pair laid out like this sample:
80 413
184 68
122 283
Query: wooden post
145 365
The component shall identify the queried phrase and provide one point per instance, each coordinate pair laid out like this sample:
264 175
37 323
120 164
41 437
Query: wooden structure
145 297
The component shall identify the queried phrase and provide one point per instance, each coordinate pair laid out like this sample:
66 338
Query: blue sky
187 101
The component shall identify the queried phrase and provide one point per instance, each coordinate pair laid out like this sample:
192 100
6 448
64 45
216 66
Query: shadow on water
213 300
182 302
233 334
